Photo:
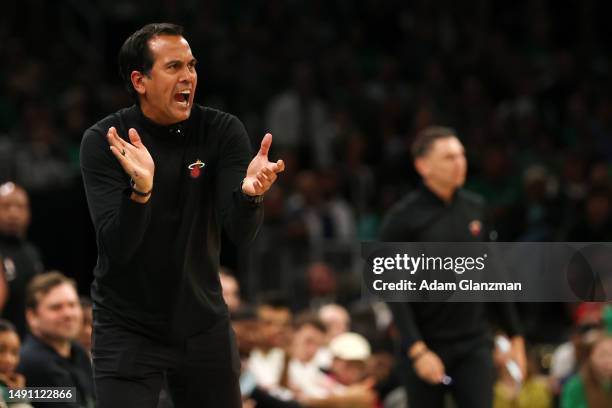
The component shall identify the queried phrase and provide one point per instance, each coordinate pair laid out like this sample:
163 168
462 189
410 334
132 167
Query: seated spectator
337 321
50 356
20 258
9 358
84 338
569 356
245 326
230 288
267 360
532 392
304 375
590 388
349 385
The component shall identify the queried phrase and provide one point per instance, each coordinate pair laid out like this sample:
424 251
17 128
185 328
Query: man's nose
187 74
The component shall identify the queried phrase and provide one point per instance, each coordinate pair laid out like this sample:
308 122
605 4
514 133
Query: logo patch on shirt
195 168
475 228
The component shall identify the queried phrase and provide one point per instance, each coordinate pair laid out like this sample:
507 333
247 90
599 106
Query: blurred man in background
445 342
51 355
20 259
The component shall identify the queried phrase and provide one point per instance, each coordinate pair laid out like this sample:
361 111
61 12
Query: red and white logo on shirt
195 168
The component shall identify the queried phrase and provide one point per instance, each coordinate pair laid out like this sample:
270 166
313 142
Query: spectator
230 289
84 338
591 387
337 321
50 356
20 258
9 358
349 386
245 326
304 375
533 392
267 360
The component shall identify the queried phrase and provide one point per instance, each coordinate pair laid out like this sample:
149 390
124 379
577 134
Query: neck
62 347
444 193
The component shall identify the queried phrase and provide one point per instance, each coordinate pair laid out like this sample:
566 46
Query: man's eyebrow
177 61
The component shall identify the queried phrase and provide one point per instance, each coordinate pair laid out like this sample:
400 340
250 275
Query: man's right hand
430 368
427 364
134 158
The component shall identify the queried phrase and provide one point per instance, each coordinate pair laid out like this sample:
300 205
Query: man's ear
421 166
137 78
32 319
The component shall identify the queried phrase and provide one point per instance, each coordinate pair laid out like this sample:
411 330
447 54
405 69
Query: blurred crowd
343 86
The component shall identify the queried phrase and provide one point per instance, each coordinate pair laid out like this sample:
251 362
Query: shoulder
218 120
114 119
471 198
406 204
400 218
35 358
80 356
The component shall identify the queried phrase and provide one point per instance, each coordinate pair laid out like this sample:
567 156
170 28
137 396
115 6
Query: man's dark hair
5 326
308 319
426 137
135 54
273 299
41 284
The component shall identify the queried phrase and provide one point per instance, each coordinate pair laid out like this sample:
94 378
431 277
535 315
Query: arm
426 363
509 319
119 216
237 178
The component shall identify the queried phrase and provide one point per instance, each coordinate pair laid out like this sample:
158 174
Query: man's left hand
261 173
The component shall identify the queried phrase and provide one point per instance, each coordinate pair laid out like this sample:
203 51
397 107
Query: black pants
470 365
129 368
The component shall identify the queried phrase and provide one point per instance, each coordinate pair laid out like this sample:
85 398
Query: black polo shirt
157 269
424 217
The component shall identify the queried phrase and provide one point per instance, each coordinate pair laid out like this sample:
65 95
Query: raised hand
134 158
261 173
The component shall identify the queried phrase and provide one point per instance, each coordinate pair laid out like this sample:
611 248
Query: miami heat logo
475 228
195 168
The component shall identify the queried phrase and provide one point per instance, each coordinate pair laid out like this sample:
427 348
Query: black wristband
139 193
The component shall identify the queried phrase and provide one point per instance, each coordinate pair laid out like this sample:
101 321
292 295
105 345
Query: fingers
280 166
134 137
265 144
119 154
116 141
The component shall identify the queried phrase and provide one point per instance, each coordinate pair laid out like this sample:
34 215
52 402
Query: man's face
230 291
306 342
348 372
58 316
14 210
274 325
601 358
444 165
9 352
167 92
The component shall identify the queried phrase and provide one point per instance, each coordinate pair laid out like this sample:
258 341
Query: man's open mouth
182 97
